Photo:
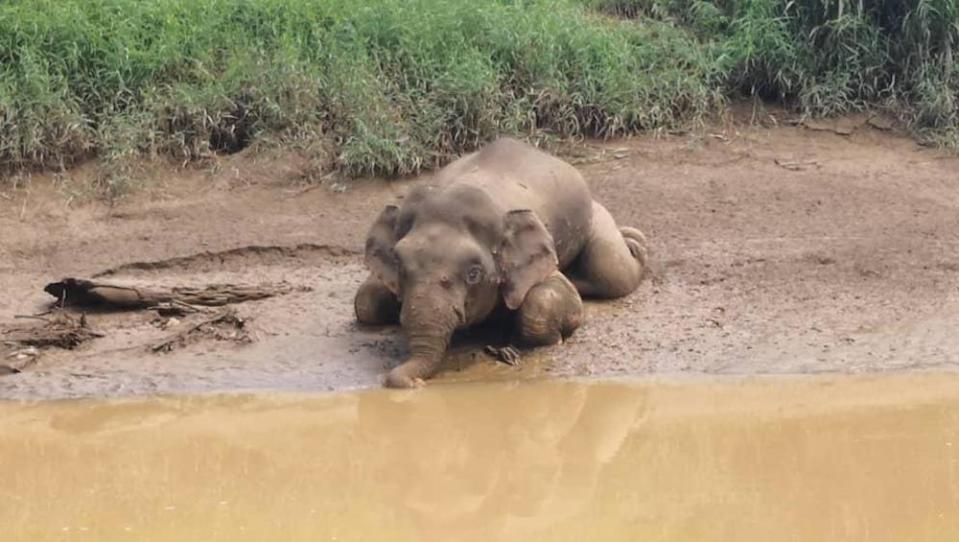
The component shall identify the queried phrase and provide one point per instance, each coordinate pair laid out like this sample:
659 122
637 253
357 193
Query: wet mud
774 250
812 458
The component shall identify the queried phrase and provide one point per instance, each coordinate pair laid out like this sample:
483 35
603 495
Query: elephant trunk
429 329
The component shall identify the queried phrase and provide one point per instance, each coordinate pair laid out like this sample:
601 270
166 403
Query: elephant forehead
461 204
430 246
467 195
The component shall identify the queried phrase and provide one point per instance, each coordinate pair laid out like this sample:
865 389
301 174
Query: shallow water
775 459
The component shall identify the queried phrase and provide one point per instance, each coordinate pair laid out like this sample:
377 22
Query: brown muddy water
837 458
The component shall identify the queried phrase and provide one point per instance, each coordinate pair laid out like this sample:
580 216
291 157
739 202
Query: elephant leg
375 304
613 262
551 312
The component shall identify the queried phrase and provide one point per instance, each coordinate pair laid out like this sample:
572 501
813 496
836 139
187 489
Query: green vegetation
397 85
828 56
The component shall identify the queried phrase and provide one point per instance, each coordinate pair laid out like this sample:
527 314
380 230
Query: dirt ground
776 249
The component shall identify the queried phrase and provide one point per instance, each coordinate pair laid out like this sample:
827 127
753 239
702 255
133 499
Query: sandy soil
776 250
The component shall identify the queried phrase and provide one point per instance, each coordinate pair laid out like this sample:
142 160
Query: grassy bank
828 56
398 85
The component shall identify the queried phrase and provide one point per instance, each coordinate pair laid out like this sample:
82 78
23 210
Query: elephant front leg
375 304
551 312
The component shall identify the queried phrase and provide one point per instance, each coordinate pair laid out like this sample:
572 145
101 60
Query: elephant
505 226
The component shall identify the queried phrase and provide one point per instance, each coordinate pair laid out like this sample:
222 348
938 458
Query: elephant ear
526 256
380 256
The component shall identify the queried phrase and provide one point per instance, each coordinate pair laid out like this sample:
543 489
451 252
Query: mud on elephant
507 225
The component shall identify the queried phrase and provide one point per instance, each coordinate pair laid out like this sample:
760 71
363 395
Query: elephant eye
474 275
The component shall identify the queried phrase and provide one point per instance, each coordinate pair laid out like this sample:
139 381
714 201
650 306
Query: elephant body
519 176
506 225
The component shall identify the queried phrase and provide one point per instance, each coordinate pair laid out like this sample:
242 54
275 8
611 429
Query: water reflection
816 459
515 461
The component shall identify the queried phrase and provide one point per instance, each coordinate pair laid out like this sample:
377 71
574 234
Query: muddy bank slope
776 250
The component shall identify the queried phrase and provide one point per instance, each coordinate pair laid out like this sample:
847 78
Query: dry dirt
775 250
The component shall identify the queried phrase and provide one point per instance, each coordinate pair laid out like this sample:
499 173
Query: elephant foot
505 354
551 312
374 304
637 244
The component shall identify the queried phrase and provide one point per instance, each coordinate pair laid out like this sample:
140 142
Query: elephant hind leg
637 244
375 304
551 311
613 262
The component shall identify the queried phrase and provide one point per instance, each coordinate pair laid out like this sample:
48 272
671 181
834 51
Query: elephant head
450 256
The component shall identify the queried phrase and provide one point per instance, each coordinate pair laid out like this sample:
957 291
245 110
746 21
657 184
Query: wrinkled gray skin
509 225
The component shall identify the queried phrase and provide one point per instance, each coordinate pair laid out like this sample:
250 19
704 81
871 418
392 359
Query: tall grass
828 56
395 84
398 85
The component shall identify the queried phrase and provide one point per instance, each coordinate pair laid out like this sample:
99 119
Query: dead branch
60 330
177 309
796 165
82 292
225 325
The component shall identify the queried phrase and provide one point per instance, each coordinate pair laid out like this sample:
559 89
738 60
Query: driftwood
58 329
61 329
81 292
225 326
796 165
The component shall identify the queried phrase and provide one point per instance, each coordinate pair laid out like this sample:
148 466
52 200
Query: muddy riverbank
775 250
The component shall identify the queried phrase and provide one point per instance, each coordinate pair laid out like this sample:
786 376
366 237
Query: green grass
398 85
828 56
